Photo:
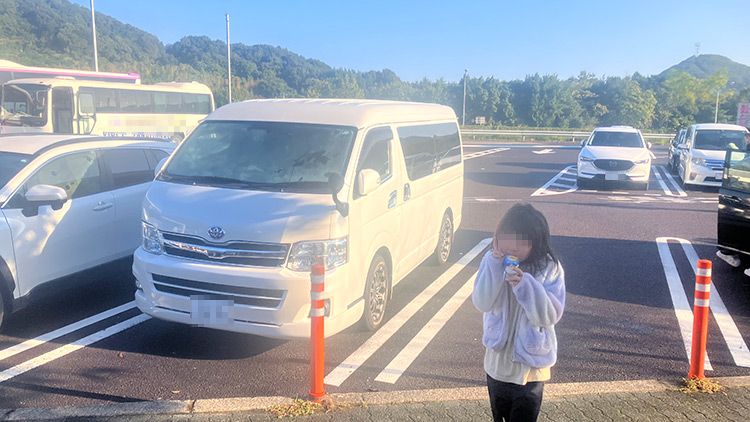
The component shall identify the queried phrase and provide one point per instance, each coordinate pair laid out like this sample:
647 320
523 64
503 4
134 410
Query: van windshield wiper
204 180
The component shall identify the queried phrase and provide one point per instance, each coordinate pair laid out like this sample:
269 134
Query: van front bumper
269 302
701 175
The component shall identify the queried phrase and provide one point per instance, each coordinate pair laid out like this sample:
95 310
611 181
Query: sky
420 39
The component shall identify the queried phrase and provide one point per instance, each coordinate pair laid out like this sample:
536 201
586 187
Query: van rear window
276 156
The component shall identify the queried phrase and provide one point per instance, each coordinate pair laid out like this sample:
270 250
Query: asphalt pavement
594 401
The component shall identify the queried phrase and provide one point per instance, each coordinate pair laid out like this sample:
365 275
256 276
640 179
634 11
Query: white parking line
566 175
70 348
369 347
44 338
667 190
679 299
732 337
483 153
406 357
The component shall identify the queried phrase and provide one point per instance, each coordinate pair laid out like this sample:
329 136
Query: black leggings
513 402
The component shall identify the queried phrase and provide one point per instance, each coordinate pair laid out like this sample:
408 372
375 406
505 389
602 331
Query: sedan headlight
698 160
152 240
304 255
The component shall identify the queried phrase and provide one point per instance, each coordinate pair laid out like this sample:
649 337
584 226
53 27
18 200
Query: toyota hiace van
263 189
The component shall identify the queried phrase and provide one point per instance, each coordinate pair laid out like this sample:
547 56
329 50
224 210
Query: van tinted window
719 140
430 148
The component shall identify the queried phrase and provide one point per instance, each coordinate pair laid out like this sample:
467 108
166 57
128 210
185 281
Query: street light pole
93 32
716 114
229 64
463 117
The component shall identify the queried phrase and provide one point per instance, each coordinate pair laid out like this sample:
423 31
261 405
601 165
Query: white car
703 150
616 153
68 203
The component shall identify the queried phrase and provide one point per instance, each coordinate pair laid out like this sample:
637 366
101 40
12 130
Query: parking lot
628 254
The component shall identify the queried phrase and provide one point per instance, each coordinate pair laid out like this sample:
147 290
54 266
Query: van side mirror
367 181
39 195
649 145
335 183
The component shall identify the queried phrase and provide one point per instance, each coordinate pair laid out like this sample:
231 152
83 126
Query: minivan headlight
152 240
698 160
304 254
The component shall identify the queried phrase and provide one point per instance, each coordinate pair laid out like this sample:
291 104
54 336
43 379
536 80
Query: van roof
343 112
723 126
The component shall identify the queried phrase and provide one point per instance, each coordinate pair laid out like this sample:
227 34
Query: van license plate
212 313
611 176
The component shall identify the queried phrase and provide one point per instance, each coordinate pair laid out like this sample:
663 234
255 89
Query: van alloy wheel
445 240
376 293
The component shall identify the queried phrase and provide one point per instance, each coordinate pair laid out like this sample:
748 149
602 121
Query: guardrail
571 134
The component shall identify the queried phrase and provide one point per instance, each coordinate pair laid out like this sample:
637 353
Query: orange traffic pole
317 345
700 319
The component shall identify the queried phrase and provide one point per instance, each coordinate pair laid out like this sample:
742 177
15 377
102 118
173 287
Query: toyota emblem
216 232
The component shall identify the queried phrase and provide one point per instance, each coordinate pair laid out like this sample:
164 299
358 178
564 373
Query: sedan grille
240 295
236 253
614 165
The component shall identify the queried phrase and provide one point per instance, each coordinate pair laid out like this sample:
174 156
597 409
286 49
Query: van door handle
407 192
392 198
101 206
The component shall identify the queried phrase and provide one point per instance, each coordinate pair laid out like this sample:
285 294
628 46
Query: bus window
62 110
24 105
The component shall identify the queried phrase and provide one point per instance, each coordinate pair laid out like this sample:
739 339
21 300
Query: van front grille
717 165
240 295
235 253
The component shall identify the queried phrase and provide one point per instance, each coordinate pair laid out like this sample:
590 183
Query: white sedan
616 153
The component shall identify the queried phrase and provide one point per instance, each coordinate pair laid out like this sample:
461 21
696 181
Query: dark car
673 156
734 208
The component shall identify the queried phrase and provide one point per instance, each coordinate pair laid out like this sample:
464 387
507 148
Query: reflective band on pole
701 303
316 279
702 287
316 296
703 272
318 312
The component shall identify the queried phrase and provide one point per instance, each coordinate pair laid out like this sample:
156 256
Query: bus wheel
376 293
445 241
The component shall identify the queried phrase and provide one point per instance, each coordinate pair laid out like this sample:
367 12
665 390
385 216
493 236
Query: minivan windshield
23 105
616 139
719 140
10 164
274 156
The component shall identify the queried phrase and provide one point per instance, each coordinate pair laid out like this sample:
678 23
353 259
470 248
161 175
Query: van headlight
152 240
304 254
698 160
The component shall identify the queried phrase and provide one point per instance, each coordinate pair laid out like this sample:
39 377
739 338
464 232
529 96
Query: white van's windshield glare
276 156
719 140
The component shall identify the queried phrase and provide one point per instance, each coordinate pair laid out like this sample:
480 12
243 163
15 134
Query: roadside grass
692 385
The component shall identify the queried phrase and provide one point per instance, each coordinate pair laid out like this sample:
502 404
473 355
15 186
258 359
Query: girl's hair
526 221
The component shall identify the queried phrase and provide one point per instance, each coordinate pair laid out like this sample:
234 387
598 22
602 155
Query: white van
264 188
703 150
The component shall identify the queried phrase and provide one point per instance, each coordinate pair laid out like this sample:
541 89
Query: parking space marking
378 339
416 346
657 171
560 184
70 348
736 344
682 308
44 338
483 153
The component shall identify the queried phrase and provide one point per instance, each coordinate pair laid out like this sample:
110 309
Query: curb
246 404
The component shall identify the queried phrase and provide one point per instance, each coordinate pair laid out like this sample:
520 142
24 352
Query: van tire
3 308
376 294
445 241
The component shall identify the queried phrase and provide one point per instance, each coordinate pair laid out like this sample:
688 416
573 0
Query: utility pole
93 32
229 63
463 118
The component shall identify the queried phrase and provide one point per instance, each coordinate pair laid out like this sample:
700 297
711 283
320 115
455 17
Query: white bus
66 105
11 70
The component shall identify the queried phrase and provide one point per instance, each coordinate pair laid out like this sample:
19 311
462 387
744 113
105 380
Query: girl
521 305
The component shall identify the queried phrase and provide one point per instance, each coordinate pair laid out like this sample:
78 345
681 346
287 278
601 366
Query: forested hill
57 33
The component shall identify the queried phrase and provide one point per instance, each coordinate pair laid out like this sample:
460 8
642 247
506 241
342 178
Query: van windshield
719 140
274 156
23 105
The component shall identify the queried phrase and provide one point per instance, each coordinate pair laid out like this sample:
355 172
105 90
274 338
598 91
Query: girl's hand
513 275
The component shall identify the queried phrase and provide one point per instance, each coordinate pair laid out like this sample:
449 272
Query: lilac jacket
542 300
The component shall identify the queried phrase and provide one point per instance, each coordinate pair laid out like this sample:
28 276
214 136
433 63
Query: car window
128 166
10 164
719 140
738 173
154 156
616 139
376 152
77 173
